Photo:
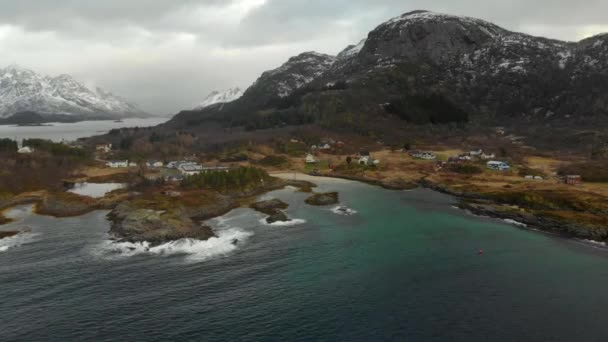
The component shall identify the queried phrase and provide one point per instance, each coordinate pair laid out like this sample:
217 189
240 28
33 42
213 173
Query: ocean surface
71 131
404 267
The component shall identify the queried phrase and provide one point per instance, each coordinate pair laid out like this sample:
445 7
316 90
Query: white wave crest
516 223
595 243
16 241
293 222
227 241
343 210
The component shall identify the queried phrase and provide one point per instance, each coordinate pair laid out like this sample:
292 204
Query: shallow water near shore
403 266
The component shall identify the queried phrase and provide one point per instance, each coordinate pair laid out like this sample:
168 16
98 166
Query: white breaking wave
595 243
293 222
227 241
16 241
516 223
343 210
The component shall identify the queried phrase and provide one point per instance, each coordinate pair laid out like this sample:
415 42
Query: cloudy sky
167 55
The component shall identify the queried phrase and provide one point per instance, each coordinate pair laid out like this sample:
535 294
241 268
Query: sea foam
293 222
516 223
227 241
343 210
16 241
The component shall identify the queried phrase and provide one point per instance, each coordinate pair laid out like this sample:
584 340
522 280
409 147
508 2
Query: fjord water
71 131
405 267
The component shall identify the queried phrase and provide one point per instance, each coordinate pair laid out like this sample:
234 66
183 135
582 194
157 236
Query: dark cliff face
425 67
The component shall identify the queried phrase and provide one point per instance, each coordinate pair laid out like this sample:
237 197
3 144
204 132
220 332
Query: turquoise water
405 267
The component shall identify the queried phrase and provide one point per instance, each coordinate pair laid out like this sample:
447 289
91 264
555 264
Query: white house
498 165
104 148
25 150
485 156
368 161
155 163
476 153
310 159
116 164
190 169
215 169
132 164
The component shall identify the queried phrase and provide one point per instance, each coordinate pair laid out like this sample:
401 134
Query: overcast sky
167 55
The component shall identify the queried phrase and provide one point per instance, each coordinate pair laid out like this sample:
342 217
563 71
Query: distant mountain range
23 90
216 97
427 68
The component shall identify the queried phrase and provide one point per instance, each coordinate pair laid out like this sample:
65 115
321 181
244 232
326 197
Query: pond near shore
95 190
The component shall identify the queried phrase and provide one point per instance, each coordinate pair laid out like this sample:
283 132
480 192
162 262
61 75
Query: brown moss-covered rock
278 216
270 207
155 227
65 204
7 234
322 199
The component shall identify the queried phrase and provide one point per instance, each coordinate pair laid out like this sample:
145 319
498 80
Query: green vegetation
274 161
242 178
56 149
8 145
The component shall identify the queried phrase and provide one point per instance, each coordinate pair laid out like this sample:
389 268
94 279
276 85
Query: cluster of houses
327 144
473 155
103 148
185 168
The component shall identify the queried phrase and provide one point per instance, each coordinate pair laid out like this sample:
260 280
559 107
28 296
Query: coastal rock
270 207
155 227
4 235
323 199
273 208
65 205
278 216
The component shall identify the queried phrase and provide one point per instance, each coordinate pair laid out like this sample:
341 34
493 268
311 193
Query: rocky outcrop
323 199
155 227
274 209
4 235
270 207
537 220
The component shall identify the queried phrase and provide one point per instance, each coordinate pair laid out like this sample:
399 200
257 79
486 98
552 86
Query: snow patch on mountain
22 89
216 97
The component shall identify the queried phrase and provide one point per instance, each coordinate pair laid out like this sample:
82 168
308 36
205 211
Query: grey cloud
168 54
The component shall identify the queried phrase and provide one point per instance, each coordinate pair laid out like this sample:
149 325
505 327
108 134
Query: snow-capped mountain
426 67
24 90
216 97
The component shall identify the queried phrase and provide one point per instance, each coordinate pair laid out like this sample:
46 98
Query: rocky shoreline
479 204
156 224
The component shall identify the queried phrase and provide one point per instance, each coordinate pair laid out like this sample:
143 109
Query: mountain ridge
23 90
483 72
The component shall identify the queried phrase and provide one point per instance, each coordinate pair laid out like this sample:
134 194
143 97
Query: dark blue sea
404 267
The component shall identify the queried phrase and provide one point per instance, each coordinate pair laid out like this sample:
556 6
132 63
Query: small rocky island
323 199
4 235
274 209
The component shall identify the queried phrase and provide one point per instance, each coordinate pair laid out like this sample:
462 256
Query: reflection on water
95 190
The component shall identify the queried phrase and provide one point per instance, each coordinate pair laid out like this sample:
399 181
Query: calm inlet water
403 268
71 131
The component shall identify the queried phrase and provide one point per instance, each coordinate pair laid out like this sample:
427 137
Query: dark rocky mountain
424 67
